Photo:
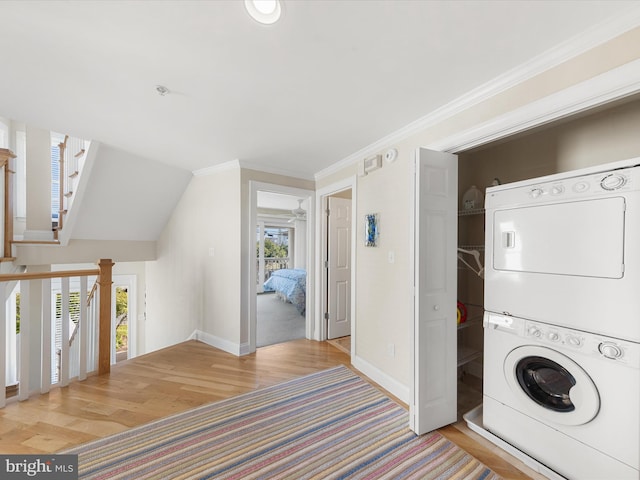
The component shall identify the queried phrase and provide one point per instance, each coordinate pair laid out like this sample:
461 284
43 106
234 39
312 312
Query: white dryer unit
563 249
567 398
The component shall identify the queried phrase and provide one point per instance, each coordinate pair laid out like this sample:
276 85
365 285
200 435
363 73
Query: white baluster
45 374
83 337
25 327
3 348
64 350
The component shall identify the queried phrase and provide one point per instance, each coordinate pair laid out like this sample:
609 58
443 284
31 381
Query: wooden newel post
104 343
6 157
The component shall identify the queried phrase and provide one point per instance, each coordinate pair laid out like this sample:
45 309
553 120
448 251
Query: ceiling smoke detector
162 90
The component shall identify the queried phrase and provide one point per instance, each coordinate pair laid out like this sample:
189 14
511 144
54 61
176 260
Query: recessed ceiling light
264 11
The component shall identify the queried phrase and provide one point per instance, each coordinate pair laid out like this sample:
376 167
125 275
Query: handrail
61 175
7 277
71 161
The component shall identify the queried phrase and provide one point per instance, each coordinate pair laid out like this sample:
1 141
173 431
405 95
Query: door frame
129 281
322 245
255 187
601 90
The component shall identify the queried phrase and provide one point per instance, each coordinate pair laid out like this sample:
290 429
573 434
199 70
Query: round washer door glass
551 386
546 382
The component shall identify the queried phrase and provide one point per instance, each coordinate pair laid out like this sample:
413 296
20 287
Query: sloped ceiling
326 81
128 197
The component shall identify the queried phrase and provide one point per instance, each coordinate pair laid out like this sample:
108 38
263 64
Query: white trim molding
221 167
233 164
613 85
217 342
595 91
385 381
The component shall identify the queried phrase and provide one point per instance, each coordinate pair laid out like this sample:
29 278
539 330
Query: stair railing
6 163
84 350
71 160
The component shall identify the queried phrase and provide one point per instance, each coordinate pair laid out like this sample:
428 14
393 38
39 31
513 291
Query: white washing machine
567 398
564 249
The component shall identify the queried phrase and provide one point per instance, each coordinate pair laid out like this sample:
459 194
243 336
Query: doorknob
436 307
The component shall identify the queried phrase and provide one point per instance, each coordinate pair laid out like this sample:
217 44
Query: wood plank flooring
176 379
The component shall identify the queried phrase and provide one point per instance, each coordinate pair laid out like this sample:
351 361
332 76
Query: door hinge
327 212
326 264
326 316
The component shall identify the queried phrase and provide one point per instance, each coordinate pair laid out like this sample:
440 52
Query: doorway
123 318
336 251
281 266
267 220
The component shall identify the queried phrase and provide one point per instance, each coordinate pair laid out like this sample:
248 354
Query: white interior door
339 267
434 400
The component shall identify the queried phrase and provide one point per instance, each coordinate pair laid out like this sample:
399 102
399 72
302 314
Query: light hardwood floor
176 379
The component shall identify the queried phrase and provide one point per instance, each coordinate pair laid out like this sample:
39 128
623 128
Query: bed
290 285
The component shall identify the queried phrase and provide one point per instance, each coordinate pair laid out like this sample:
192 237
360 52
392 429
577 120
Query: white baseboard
402 392
221 343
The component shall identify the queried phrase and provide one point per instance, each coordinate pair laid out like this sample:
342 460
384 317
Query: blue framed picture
371 230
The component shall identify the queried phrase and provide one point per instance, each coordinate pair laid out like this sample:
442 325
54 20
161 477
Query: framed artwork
371 230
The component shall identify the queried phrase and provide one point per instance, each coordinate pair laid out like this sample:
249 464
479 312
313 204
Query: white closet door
339 268
434 401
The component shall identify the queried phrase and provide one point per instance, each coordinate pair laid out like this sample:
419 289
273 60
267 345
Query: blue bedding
291 285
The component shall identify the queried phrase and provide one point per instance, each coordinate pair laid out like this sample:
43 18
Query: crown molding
221 167
275 171
235 164
613 85
551 58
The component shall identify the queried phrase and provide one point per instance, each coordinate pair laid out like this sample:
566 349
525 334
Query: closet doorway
337 267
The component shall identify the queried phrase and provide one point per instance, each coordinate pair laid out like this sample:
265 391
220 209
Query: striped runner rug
327 425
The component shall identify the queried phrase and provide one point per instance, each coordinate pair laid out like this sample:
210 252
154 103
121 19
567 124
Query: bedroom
281 252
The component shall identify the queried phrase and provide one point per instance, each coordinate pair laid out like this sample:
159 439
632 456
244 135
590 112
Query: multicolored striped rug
328 425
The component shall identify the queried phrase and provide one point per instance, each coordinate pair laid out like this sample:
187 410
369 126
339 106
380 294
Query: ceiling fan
300 213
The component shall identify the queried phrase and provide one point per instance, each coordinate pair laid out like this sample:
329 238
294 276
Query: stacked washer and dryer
562 320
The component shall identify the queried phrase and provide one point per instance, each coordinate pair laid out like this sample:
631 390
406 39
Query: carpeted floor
277 321
327 425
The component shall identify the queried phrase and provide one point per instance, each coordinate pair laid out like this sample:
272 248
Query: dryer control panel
564 188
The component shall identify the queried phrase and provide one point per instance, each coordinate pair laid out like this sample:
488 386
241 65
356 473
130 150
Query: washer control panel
607 348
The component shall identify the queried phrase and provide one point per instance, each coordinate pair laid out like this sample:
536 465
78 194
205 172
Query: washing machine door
550 386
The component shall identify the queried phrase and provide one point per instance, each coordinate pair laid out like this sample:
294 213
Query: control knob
534 331
557 189
613 181
610 350
553 336
581 187
574 341
536 192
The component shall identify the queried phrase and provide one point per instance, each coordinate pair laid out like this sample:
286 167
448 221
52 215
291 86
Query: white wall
195 282
188 289
383 296
38 184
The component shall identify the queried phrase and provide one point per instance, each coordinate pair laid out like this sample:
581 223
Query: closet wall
600 136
